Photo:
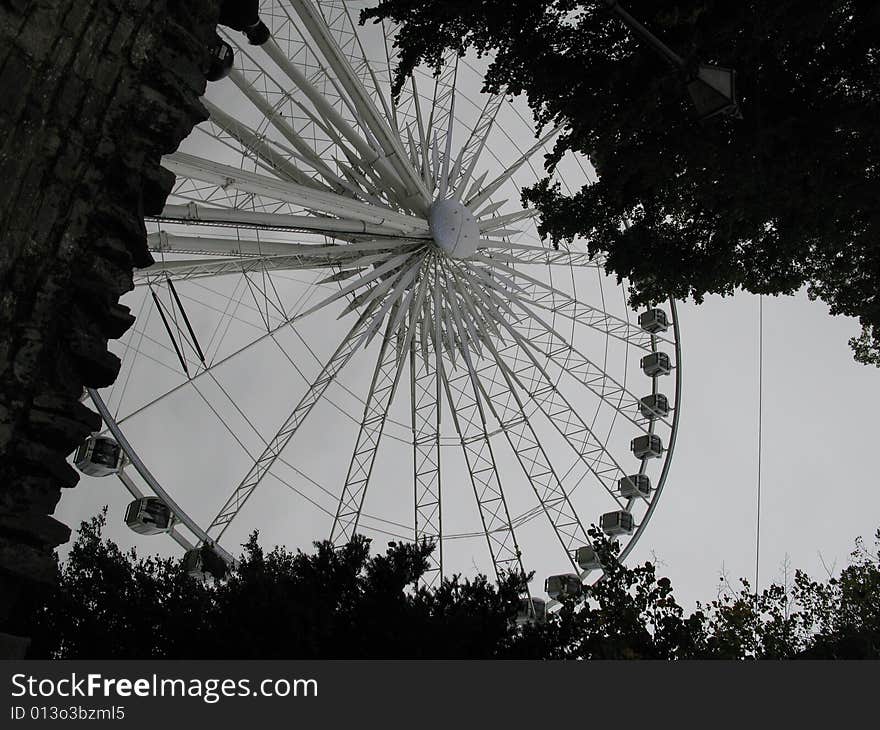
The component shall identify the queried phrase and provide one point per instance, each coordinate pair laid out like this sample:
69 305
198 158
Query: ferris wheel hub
454 228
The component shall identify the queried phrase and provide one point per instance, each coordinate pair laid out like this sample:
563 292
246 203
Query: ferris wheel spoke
211 267
337 16
326 120
476 143
304 149
272 159
285 433
425 405
195 214
503 252
424 142
402 290
394 175
553 300
442 173
509 410
162 242
584 371
283 111
391 271
533 460
489 189
217 173
551 344
543 391
357 93
383 386
468 413
489 225
441 105
395 347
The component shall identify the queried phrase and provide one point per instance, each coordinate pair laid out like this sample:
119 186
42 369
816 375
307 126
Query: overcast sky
818 486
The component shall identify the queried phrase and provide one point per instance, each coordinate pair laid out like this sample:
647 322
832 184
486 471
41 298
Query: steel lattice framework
401 213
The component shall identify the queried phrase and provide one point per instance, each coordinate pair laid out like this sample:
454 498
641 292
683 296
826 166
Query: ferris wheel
353 326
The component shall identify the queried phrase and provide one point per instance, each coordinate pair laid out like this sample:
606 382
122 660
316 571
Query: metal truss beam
469 417
426 404
285 433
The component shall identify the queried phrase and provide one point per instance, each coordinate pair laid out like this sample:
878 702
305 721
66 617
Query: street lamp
712 88
713 91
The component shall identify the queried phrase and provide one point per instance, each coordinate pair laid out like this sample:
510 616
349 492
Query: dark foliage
346 604
330 604
633 614
783 198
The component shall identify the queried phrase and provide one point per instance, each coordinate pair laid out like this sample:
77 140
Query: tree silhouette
633 614
332 603
345 603
782 198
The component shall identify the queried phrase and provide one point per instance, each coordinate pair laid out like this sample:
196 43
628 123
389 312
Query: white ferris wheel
353 326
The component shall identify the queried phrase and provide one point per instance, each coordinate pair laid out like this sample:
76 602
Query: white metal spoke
390 142
470 152
475 201
275 160
560 303
543 390
337 16
324 202
504 252
569 359
468 416
381 394
530 454
276 445
379 272
200 268
441 106
369 154
491 224
389 368
425 405
163 242
203 215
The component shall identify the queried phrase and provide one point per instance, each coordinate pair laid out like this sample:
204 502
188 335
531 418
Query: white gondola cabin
655 405
563 586
99 456
656 363
586 558
654 321
615 523
531 609
149 516
634 485
648 446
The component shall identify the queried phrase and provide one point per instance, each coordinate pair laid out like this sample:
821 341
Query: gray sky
817 409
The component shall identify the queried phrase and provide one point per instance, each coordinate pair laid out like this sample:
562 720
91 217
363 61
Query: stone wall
92 93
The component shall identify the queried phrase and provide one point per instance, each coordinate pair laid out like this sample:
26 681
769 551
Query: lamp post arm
646 35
